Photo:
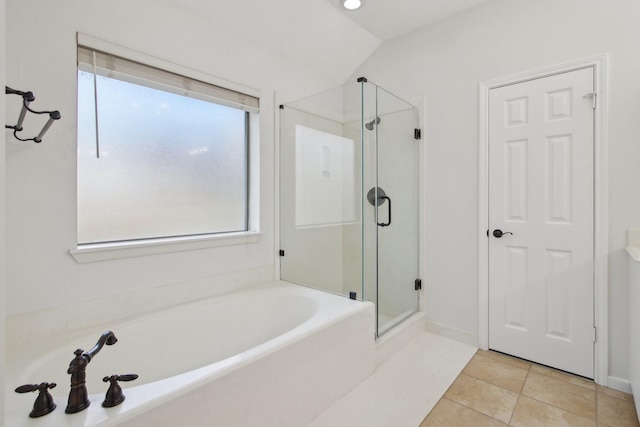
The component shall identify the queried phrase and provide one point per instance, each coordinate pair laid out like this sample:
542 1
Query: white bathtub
275 355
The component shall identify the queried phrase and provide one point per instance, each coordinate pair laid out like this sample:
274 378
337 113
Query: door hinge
594 98
281 252
417 134
418 284
594 334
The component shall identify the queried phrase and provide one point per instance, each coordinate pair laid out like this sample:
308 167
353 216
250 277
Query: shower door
349 197
390 211
320 200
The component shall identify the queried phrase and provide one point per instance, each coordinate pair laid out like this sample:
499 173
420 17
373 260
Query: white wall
445 63
41 197
2 214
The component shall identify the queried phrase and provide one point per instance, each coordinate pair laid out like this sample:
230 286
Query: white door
541 197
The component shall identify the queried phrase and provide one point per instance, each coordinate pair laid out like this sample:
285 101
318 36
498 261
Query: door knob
499 233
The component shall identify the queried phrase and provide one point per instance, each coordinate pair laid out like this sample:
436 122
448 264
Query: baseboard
453 333
619 384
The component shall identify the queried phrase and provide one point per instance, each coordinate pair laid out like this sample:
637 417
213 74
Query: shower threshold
387 322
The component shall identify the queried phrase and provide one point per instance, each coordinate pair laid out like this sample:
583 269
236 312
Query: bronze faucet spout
107 338
78 396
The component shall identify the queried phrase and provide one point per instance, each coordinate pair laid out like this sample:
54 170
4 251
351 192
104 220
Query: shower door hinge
417 134
418 284
281 252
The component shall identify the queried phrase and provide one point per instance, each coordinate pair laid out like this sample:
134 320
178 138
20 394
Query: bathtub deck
403 389
311 348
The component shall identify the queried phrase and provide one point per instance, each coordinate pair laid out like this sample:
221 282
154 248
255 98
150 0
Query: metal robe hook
27 98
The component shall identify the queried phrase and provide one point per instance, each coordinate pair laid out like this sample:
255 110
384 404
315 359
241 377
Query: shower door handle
385 224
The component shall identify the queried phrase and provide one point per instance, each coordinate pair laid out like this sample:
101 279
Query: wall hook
27 98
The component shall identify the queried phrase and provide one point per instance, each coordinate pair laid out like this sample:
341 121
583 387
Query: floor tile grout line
564 409
597 418
597 390
506 361
519 395
514 410
494 384
564 380
543 373
472 409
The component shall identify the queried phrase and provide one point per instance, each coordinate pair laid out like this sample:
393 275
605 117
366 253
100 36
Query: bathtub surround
23 328
292 352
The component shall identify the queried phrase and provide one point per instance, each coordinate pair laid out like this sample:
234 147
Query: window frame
93 252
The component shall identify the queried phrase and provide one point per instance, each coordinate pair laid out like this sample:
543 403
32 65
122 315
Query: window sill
108 251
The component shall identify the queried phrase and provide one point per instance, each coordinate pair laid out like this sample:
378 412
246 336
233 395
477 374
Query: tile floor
498 390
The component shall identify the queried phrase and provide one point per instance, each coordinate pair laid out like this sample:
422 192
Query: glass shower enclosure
349 197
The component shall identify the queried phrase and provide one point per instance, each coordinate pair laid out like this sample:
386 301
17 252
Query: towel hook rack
27 98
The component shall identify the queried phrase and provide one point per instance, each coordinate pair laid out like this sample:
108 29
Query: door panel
391 224
397 241
541 191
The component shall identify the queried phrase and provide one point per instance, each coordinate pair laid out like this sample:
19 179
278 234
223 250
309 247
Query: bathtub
273 355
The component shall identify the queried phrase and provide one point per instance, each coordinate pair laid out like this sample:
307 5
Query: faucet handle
126 377
44 402
114 395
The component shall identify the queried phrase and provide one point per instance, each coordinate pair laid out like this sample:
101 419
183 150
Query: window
159 154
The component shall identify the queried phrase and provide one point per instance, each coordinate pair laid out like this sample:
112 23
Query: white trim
619 384
108 251
277 241
87 253
599 64
134 55
422 206
452 333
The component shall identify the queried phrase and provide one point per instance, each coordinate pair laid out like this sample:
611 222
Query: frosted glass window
168 165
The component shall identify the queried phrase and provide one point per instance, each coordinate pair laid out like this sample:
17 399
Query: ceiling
320 34
387 19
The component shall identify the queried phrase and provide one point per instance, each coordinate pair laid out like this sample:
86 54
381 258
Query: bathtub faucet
78 396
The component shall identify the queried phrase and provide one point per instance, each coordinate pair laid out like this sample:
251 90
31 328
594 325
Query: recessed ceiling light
352 4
